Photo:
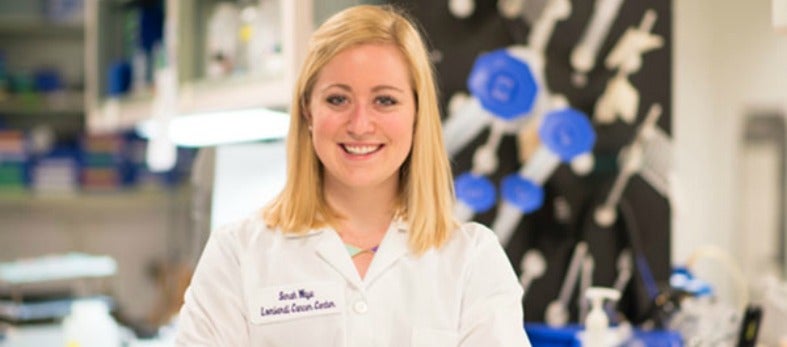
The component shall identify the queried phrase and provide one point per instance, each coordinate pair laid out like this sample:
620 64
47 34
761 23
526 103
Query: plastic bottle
597 324
90 325
222 43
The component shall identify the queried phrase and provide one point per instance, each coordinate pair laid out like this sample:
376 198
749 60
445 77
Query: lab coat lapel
331 249
393 247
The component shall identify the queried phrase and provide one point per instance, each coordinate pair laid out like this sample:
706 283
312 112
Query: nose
361 121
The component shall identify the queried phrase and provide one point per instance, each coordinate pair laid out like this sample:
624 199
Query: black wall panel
645 215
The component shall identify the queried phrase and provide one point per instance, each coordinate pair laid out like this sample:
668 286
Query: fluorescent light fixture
222 127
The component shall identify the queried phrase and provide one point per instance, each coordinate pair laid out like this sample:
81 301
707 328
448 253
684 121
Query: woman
360 248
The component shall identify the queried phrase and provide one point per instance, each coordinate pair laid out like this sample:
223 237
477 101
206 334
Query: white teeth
360 149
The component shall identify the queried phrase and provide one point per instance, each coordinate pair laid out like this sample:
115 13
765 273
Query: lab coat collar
393 247
310 232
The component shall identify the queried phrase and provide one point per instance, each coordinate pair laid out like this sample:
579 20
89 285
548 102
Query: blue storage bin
542 335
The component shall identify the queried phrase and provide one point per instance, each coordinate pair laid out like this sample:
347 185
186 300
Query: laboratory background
629 155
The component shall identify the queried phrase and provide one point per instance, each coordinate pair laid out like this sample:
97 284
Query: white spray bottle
597 323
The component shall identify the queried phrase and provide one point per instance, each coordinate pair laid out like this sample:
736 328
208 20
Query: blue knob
475 191
504 85
525 194
567 133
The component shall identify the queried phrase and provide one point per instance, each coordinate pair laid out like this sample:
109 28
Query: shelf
60 103
237 92
197 94
119 113
116 199
25 28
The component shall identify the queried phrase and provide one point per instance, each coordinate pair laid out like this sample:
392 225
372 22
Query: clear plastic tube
485 158
583 57
463 212
506 221
557 311
542 29
463 126
540 166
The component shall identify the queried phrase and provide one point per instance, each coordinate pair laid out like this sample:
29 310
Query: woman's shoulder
473 235
475 232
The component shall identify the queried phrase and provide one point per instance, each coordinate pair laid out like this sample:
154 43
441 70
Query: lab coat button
360 307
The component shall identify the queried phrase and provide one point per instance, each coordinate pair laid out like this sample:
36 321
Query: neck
365 212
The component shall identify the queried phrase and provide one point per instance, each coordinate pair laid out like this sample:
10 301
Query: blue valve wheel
567 133
475 191
523 193
504 85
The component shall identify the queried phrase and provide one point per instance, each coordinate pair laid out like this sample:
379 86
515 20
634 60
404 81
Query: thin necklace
356 251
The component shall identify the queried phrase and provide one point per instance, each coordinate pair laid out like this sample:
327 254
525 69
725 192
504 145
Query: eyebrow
375 89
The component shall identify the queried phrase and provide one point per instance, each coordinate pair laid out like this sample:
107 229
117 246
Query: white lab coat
258 287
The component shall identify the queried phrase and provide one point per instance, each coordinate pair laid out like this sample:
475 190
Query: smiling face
362 113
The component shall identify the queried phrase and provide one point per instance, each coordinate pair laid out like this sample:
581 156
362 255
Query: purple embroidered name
299 294
295 301
296 308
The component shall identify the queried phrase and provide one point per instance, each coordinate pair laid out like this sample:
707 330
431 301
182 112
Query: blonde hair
426 196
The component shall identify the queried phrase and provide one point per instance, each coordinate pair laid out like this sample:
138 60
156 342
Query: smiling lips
361 149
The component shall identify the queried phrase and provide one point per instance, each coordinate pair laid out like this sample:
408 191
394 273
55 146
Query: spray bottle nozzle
597 323
596 295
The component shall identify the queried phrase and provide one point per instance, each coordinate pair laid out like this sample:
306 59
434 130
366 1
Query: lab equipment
503 88
774 304
90 325
221 44
541 31
556 314
625 269
528 10
597 331
35 285
620 97
461 8
507 83
161 153
585 282
705 322
511 9
503 84
750 326
474 194
533 265
649 152
566 134
583 57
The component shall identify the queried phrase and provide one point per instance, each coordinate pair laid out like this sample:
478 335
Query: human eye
386 100
336 100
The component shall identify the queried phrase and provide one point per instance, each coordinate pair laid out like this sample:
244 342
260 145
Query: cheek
322 125
323 130
404 130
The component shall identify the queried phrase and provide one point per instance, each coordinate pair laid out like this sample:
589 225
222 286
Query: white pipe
540 166
557 311
506 221
586 281
583 57
485 158
464 125
631 161
541 31
463 212
533 265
